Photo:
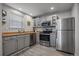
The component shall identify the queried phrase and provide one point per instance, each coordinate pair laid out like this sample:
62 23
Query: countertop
6 34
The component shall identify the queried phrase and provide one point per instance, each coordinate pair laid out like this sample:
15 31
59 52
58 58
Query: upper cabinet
38 21
52 19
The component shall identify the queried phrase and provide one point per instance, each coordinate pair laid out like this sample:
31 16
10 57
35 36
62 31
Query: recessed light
20 8
51 8
31 14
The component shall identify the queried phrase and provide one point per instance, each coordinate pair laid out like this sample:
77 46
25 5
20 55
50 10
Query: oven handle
44 34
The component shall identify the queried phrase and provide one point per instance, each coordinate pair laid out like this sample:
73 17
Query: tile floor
39 50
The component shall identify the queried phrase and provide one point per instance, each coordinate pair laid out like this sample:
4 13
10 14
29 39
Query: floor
39 50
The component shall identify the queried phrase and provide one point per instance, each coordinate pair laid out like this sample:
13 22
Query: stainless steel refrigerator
66 35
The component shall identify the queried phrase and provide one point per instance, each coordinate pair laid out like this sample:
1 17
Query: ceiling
37 9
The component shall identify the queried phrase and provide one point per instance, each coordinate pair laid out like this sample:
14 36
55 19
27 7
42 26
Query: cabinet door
20 42
53 39
10 45
32 39
27 40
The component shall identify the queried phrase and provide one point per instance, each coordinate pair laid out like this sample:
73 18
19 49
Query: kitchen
39 29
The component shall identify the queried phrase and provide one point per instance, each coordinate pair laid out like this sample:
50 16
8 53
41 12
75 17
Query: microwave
47 23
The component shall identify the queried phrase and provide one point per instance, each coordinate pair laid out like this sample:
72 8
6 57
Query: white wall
25 20
0 30
75 13
11 13
64 14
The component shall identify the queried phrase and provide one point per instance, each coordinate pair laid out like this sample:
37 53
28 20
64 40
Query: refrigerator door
71 41
65 41
66 24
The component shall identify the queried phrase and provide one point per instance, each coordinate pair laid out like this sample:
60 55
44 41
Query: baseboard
15 54
65 52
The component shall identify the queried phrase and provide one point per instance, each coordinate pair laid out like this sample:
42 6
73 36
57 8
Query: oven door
45 37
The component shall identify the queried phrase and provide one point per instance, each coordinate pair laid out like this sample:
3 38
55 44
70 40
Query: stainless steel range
48 36
45 38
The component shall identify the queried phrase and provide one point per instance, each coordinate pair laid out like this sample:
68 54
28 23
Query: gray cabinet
10 45
20 42
23 41
53 39
15 43
27 40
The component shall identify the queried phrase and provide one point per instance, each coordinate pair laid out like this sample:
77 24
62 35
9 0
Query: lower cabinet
15 43
27 40
10 45
20 42
32 39
53 39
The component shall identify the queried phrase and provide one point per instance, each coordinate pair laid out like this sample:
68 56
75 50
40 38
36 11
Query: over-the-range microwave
46 23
